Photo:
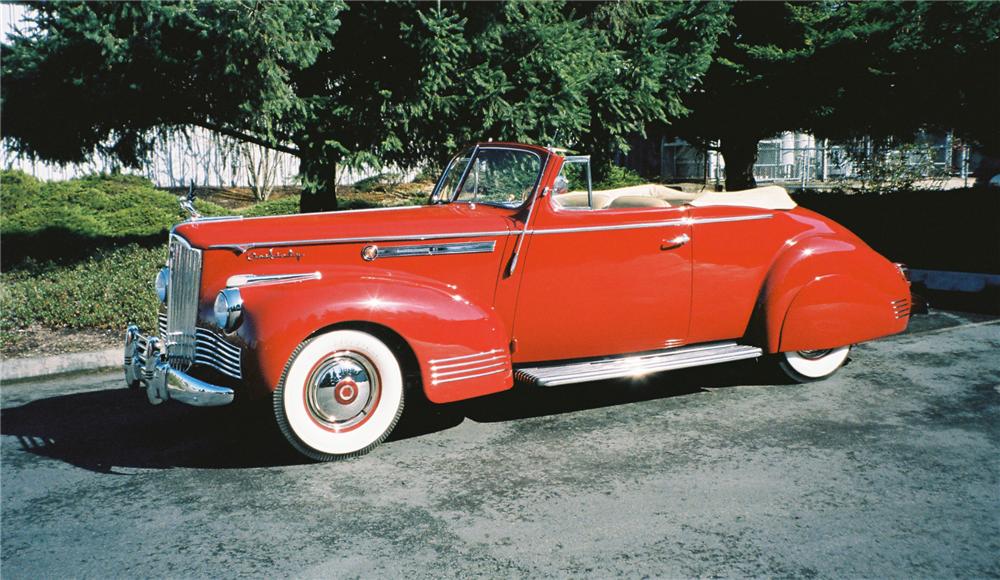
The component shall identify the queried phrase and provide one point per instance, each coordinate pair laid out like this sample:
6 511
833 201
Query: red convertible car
516 269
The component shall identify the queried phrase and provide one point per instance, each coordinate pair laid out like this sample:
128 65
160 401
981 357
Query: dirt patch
39 341
232 197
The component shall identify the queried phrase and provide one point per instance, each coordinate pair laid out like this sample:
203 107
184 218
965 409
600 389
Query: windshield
495 175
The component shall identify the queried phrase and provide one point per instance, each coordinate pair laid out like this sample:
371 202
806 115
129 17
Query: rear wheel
341 395
804 366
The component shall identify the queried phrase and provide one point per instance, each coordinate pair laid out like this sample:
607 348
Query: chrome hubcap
814 354
342 390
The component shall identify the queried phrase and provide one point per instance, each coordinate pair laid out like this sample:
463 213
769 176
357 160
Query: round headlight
228 309
162 282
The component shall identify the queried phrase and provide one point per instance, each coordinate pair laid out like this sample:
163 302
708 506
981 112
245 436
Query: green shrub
93 206
381 182
620 177
69 220
106 291
275 206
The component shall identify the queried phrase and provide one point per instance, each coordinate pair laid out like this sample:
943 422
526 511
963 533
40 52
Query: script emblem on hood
272 254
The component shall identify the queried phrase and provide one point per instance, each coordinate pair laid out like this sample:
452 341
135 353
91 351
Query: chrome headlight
162 282
228 309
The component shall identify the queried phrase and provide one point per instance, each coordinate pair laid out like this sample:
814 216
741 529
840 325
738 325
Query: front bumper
146 365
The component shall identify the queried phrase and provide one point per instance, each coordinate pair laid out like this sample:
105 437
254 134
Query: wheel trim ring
814 354
819 368
375 396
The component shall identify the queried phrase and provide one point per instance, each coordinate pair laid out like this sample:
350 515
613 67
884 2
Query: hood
416 221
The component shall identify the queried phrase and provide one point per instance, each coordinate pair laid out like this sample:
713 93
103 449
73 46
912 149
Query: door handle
675 243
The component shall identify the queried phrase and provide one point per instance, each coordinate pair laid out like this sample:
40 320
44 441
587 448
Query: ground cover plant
81 254
73 219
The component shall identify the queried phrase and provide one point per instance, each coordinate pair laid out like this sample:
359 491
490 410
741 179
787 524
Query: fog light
162 283
228 309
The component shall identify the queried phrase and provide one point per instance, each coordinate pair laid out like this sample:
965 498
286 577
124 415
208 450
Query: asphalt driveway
889 469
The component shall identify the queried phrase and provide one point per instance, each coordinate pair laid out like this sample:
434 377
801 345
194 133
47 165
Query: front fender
828 291
447 332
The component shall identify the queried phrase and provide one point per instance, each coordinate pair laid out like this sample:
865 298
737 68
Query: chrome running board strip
637 365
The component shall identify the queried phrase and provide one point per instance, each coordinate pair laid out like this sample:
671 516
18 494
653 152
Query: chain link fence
799 159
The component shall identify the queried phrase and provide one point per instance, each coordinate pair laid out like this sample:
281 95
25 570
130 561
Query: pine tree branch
247 137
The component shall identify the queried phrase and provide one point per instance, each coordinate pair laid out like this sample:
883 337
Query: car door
600 282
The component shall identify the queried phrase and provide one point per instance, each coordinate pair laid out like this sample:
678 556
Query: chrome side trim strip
436 249
667 223
740 218
241 248
239 280
636 365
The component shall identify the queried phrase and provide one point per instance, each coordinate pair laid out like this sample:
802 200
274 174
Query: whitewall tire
340 396
812 365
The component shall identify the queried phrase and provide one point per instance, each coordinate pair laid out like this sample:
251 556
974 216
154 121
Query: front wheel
804 366
341 395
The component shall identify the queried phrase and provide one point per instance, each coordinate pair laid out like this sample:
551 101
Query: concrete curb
34 367
40 366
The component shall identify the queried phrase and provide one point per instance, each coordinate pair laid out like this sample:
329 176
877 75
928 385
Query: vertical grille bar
182 302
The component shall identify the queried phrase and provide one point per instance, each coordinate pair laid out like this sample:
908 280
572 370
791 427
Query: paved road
889 469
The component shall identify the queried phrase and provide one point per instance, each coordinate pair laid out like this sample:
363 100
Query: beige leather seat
637 201
578 199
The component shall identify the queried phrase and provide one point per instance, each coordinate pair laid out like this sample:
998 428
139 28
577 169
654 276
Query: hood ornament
187 204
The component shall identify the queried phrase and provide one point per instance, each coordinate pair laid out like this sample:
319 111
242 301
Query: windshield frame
453 196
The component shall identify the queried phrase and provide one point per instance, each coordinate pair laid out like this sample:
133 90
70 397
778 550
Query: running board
637 365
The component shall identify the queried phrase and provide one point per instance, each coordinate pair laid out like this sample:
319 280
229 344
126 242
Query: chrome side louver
901 308
460 368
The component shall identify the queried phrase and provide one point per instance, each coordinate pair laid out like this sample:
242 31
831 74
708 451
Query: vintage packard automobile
516 269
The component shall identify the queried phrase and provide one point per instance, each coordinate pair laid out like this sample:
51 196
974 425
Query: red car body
504 274
584 284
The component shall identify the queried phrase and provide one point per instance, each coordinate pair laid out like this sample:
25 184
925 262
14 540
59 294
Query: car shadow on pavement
117 428
106 429
525 401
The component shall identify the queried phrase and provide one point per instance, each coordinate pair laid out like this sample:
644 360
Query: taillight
903 271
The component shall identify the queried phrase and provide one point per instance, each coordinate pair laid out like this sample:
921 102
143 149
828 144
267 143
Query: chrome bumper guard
146 364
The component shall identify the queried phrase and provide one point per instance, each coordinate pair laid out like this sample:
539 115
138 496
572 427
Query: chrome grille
182 302
210 350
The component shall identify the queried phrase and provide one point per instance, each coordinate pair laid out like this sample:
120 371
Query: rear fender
461 348
828 291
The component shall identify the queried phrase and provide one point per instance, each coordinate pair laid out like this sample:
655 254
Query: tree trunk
319 183
740 154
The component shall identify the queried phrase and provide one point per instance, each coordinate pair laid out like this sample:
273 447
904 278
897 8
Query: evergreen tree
394 82
847 69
